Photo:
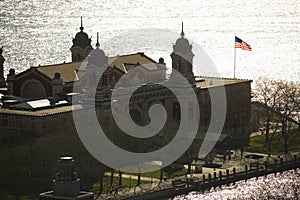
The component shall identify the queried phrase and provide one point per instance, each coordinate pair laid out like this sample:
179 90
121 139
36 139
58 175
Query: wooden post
220 175
266 165
266 168
111 179
120 178
246 172
189 168
215 175
139 179
227 176
209 177
281 165
275 163
161 176
227 173
101 183
234 172
203 179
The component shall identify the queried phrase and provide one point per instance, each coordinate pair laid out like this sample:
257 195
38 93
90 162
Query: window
176 110
11 122
44 124
4 121
33 89
32 123
191 109
136 116
19 122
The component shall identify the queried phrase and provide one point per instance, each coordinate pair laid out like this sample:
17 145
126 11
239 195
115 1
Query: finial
182 33
97 44
81 27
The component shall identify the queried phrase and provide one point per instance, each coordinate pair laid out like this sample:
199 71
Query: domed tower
97 57
81 45
182 58
96 60
2 79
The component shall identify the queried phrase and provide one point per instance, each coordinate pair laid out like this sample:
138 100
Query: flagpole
234 61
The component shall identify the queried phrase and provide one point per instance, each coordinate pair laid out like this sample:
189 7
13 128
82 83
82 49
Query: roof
68 71
40 113
127 62
208 82
37 104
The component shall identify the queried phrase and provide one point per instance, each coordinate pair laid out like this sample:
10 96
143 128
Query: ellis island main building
38 100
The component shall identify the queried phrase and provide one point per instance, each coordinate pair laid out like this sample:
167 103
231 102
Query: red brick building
49 80
53 80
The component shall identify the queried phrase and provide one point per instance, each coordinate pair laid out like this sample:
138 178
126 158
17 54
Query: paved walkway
134 177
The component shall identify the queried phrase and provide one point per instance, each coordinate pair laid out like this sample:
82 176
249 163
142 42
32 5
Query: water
282 186
37 32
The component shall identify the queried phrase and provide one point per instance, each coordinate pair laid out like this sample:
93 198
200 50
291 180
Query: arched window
33 89
136 116
176 110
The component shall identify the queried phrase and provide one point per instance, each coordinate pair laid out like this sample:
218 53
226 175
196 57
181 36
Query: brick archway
33 89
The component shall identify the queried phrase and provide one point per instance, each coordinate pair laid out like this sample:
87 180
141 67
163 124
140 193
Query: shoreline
185 185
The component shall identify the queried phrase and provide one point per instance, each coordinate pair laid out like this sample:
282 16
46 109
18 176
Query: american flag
241 44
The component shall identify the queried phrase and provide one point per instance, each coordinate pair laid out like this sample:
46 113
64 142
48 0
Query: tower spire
97 44
81 27
2 79
182 33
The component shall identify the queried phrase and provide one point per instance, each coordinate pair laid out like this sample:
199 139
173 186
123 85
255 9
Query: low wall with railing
186 185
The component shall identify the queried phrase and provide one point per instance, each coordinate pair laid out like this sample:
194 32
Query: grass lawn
258 143
126 183
27 197
156 174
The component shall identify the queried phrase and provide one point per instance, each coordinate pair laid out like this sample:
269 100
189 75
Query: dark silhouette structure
2 79
81 45
66 184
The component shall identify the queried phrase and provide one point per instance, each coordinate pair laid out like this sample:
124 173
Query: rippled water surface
37 32
282 186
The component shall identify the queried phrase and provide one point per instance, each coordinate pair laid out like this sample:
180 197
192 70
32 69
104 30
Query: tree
266 94
280 101
288 106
